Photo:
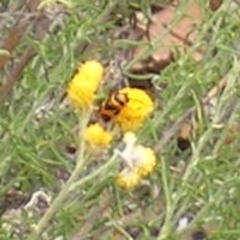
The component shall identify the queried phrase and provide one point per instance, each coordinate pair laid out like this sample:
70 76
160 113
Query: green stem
169 205
55 206
70 185
108 165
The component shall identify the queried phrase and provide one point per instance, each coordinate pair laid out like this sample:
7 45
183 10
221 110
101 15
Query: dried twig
42 24
17 32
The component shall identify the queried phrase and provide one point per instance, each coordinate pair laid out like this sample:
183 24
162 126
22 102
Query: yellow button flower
81 89
128 179
95 134
93 71
144 160
80 94
137 109
139 161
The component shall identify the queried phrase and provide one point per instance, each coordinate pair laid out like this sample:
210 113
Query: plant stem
93 175
169 205
70 185
55 206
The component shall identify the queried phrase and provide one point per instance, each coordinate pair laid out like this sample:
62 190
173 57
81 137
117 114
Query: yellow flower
144 160
128 179
96 135
80 94
92 71
81 89
137 109
139 161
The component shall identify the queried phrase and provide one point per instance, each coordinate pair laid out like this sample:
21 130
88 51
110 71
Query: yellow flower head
96 135
144 160
80 93
139 161
137 109
92 71
128 179
81 89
